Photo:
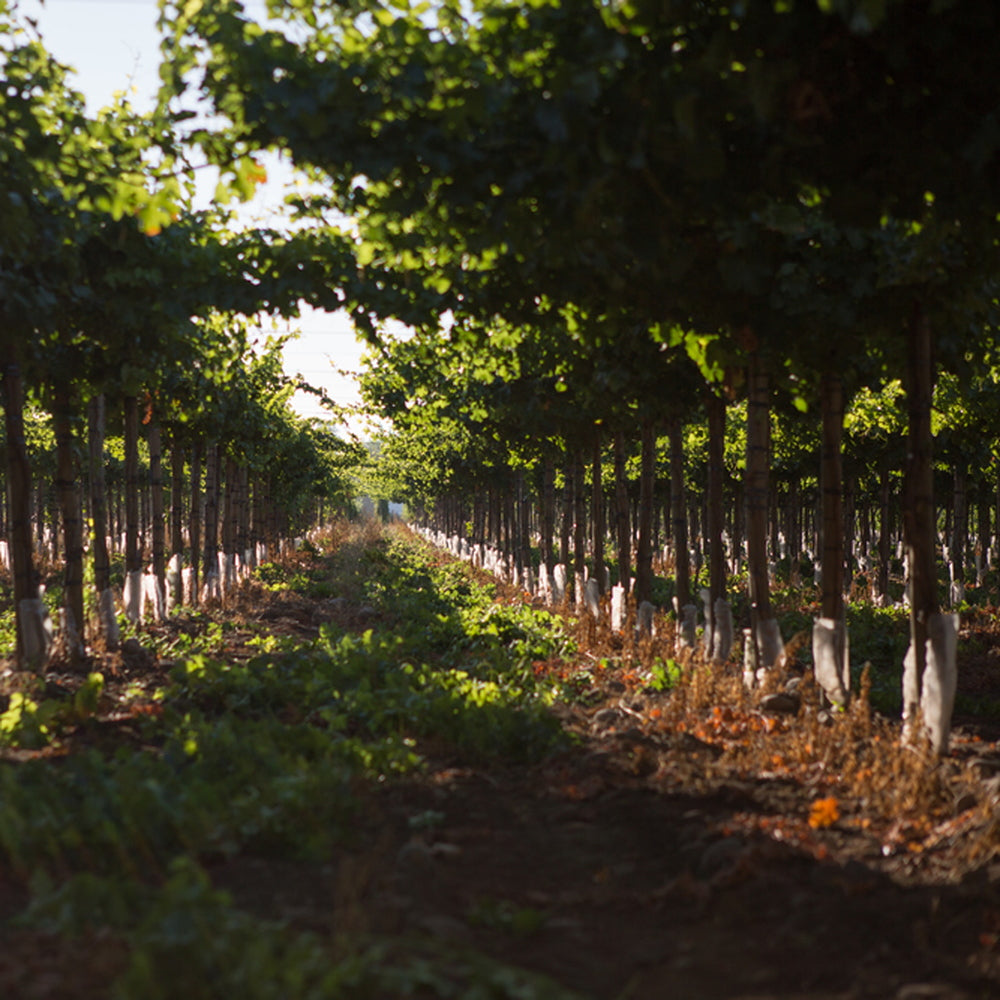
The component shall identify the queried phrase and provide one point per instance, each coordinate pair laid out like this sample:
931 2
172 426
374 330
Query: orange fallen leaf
824 813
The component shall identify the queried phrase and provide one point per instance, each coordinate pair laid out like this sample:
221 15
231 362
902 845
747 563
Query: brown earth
670 853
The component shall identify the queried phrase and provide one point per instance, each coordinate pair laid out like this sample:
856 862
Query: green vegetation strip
265 758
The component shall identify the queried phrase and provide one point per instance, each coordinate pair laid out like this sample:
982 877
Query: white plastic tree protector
937 693
132 595
153 597
644 617
221 574
687 634
559 584
210 589
175 585
36 632
544 584
831 659
617 608
109 619
592 598
770 647
70 633
707 638
754 675
687 624
722 634
749 658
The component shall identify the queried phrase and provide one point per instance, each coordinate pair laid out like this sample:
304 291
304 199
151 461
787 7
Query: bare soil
645 862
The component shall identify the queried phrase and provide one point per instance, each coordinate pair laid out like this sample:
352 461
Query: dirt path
616 886
601 871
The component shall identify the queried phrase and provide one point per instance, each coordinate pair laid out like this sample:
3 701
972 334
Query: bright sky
113 45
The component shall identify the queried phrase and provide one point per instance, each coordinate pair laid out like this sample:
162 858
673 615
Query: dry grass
888 787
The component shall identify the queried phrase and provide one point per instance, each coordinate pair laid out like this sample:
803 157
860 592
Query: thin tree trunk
885 532
243 516
623 532
756 494
510 557
157 525
647 477
548 513
99 519
566 524
68 493
832 406
597 512
918 509
19 504
960 524
133 554
831 659
257 520
579 529
682 565
176 520
230 514
524 531
983 528
794 533
850 527
194 521
714 511
210 547
133 551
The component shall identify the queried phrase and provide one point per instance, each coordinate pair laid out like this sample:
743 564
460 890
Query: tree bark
524 530
194 521
885 532
644 548
157 524
960 523
756 494
98 496
832 414
176 520
68 493
243 515
623 533
850 526
230 514
714 510
133 554
210 547
682 565
19 504
597 512
579 529
548 513
918 508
